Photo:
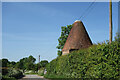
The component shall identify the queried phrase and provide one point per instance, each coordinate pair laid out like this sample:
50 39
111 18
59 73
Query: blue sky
32 28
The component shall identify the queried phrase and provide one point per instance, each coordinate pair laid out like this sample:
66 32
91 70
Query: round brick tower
78 38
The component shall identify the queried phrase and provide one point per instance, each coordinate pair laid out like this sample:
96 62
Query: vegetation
15 73
41 71
43 63
11 74
8 78
26 63
29 72
15 70
62 39
98 61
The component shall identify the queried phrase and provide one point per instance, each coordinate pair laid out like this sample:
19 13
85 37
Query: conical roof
78 37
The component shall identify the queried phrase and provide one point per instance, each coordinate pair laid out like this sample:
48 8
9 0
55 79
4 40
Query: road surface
33 77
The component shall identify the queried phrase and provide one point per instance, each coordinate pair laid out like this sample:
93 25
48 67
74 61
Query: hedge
98 61
15 73
41 71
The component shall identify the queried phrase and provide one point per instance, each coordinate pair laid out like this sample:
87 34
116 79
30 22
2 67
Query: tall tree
43 63
31 59
12 64
5 62
26 63
65 30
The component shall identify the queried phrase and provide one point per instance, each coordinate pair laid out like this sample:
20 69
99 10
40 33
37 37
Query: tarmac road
33 77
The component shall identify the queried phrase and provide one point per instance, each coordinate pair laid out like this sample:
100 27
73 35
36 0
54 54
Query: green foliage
29 66
12 74
59 53
5 62
8 78
65 30
12 69
98 61
15 73
30 72
41 71
12 64
26 63
4 71
43 63
56 77
31 59
35 67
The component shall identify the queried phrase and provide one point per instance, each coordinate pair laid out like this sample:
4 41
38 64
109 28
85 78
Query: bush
8 78
41 71
98 61
30 72
4 71
15 73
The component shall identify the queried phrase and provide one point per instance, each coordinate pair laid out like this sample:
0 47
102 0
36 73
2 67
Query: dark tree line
27 63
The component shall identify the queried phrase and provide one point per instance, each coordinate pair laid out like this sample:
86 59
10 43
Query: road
33 77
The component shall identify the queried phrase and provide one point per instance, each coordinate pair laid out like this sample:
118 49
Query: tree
31 59
12 64
29 66
62 39
35 67
43 63
20 65
26 63
59 53
38 65
30 62
5 62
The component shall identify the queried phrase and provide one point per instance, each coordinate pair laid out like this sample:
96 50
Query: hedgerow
15 73
98 61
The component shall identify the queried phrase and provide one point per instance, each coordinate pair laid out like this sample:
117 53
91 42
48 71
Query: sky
33 28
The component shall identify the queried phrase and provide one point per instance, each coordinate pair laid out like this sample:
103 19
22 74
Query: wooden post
110 21
39 58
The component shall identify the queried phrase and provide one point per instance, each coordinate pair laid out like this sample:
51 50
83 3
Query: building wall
65 52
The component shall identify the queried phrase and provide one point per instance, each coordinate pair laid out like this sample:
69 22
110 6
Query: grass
8 78
29 73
